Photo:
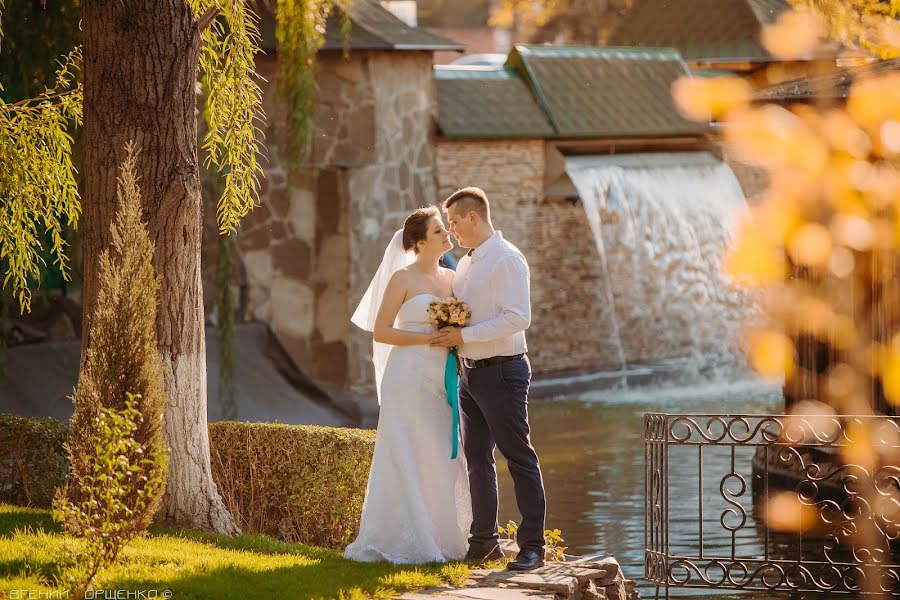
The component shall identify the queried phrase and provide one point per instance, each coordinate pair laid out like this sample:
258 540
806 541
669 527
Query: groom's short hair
469 199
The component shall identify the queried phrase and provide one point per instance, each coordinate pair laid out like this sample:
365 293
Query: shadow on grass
252 542
326 580
326 575
21 517
194 564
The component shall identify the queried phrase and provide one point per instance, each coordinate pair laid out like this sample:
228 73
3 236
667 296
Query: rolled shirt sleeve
512 298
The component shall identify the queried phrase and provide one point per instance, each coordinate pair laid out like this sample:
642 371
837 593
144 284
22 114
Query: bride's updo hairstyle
415 228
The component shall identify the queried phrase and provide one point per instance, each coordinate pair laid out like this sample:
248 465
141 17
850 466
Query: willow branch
208 17
22 103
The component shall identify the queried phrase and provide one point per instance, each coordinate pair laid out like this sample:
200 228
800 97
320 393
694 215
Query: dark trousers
493 401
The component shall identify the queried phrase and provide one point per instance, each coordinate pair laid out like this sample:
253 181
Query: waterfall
661 223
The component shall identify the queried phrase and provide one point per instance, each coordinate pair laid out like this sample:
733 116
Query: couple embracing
425 503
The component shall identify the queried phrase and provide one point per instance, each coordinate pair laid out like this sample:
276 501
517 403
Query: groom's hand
448 337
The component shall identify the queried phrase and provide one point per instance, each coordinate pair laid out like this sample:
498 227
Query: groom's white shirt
494 281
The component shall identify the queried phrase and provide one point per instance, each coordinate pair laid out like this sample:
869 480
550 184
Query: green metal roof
605 92
703 30
487 103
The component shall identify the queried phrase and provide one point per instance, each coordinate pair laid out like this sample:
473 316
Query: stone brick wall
399 179
556 240
291 252
301 266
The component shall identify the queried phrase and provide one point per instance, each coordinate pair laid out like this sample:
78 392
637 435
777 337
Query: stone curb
596 577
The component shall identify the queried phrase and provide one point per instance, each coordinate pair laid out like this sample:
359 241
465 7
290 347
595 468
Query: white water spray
661 223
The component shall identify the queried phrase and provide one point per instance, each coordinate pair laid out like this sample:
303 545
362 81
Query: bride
417 507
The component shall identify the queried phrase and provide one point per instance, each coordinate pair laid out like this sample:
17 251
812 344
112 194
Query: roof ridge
601 49
534 84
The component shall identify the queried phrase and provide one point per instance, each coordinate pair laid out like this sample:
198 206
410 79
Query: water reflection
592 456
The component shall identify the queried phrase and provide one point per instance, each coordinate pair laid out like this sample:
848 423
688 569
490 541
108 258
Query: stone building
394 132
515 132
313 242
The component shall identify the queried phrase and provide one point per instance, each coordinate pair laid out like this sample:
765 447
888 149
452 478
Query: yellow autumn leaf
777 139
784 511
890 376
810 245
852 231
778 213
859 449
754 260
706 98
844 135
874 100
795 35
771 354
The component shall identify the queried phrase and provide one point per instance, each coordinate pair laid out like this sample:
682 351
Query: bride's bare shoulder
402 275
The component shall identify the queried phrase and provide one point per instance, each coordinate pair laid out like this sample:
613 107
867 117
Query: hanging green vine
225 330
230 37
300 33
234 103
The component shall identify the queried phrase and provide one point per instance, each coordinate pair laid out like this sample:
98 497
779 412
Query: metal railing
725 470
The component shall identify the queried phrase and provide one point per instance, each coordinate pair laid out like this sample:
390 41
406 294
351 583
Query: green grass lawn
192 564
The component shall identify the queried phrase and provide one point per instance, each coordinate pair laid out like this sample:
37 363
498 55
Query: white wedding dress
417 507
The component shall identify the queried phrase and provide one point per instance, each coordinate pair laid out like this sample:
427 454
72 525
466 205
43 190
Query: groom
493 279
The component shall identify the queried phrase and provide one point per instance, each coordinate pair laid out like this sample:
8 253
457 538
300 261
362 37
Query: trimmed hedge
32 460
300 483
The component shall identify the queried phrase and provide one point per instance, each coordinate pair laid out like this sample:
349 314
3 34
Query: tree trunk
140 68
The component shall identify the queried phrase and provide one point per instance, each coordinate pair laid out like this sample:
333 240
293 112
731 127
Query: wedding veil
395 258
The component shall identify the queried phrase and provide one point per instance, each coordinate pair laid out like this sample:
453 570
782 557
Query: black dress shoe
526 561
483 555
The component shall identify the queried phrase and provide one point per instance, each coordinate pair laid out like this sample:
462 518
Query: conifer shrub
115 446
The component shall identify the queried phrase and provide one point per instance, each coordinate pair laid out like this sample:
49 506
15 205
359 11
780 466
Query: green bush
300 483
120 492
32 460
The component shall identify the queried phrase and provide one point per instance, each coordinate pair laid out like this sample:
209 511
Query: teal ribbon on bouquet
451 382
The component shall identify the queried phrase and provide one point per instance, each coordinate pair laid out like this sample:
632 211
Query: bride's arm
384 331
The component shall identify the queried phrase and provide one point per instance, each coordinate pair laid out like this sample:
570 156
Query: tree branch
208 17
22 103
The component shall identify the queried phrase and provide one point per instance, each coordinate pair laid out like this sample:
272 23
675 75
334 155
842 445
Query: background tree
586 22
141 64
36 36
866 23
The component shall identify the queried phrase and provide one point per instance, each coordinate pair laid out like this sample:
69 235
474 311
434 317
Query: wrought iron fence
738 465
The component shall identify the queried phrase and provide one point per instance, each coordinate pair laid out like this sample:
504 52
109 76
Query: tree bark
140 69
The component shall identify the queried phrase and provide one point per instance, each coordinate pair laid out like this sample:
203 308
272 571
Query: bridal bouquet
449 311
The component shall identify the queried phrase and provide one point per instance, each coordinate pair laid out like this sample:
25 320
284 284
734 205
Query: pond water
592 455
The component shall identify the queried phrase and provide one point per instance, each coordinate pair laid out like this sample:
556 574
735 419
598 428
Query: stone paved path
595 577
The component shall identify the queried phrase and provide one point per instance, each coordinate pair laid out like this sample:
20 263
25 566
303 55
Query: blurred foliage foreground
822 245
